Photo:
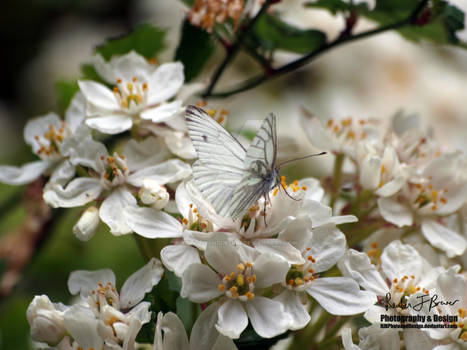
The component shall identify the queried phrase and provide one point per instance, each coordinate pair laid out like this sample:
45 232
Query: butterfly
229 176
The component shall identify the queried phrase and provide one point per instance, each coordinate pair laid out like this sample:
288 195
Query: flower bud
46 322
151 193
87 224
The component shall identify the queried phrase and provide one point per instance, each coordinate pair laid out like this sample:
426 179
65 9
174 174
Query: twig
289 67
234 48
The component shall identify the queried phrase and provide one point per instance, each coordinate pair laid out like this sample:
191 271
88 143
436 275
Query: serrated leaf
65 91
272 33
194 50
145 39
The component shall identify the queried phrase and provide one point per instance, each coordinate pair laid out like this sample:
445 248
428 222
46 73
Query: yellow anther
304 188
223 112
221 287
383 169
129 86
464 336
434 207
374 245
233 290
220 119
240 280
249 264
195 210
241 267
145 86
298 281
185 221
274 193
363 135
330 122
395 280
116 89
443 200
462 312
311 270
201 103
336 128
290 282
295 183
250 295
253 278
211 112
119 81
351 135
134 79
362 122
460 325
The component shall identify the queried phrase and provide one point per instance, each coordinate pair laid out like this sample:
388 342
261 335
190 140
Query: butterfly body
231 177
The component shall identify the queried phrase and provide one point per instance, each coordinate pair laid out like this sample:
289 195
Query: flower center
102 296
401 289
426 197
462 324
115 171
195 222
299 276
375 254
239 284
51 141
130 94
347 130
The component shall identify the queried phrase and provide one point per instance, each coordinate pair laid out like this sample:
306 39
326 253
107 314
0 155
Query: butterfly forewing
219 168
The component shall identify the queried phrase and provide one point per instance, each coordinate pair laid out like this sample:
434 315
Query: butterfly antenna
308 156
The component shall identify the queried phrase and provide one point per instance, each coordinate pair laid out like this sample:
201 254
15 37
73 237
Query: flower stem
337 178
289 67
144 246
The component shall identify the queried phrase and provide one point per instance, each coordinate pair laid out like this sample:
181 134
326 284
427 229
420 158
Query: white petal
112 210
174 333
84 282
416 339
110 124
452 287
221 254
357 265
443 238
400 259
199 283
370 173
204 335
143 154
180 145
232 319
170 171
140 283
78 192
392 187
76 112
327 246
387 339
151 223
163 112
25 174
267 317
294 307
87 224
165 82
38 127
394 212
347 339
317 135
178 258
99 95
269 269
62 172
341 295
281 248
183 200
82 326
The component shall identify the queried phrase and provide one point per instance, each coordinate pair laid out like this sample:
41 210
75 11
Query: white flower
204 335
403 273
116 176
238 282
108 317
321 248
439 191
372 337
141 92
153 194
339 136
51 139
87 224
46 320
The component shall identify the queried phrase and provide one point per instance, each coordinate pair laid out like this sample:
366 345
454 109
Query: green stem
337 178
289 67
233 50
144 246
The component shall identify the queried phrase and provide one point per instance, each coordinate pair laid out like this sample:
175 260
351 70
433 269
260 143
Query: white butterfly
231 177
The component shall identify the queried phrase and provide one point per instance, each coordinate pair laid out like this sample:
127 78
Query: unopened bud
87 224
46 322
153 194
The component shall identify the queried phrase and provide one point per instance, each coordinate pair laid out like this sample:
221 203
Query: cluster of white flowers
399 196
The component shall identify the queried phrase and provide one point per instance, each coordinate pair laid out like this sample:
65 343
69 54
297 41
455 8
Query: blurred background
45 41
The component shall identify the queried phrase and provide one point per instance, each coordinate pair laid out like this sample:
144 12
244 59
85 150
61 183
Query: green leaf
187 311
189 3
272 33
65 90
145 39
250 340
194 50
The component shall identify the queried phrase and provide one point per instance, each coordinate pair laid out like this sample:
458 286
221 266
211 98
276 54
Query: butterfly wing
260 169
220 165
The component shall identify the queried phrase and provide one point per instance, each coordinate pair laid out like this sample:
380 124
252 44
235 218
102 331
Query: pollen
201 104
330 122
221 287
395 280
240 280
304 188
134 79
250 295
274 193
241 267
462 312
211 112
374 245
443 200
119 81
